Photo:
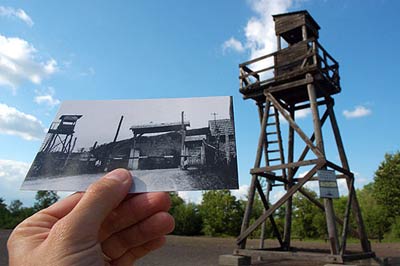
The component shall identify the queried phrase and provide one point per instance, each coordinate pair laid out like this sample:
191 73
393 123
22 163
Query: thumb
99 200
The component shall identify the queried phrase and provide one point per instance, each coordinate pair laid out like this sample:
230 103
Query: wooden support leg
289 203
354 202
329 211
250 200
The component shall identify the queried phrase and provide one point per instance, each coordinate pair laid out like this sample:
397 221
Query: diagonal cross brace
280 202
294 125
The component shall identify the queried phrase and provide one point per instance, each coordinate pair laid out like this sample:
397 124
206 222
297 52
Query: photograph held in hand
167 144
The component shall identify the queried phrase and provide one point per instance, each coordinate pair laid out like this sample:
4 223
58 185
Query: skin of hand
102 226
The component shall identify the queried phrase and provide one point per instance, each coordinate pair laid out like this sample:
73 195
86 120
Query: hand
102 226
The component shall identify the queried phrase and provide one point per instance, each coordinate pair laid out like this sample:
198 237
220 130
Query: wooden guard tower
300 76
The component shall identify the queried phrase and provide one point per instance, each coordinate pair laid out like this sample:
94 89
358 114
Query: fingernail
119 175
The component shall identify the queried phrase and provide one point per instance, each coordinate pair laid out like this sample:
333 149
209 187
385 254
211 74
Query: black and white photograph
167 145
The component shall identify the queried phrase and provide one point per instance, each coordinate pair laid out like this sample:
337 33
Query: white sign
328 187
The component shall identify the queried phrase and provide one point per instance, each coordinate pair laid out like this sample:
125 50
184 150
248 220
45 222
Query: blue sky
50 52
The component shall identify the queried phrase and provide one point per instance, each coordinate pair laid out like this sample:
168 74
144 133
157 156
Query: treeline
13 214
220 213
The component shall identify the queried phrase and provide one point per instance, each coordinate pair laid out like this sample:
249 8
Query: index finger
133 211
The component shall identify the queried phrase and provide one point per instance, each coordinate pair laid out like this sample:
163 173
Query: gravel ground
204 251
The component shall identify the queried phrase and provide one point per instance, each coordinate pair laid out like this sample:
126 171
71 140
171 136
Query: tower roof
288 25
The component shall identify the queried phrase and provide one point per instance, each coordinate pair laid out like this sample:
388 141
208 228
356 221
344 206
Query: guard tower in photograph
300 75
60 135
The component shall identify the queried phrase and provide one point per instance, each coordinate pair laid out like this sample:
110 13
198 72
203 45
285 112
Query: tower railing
289 63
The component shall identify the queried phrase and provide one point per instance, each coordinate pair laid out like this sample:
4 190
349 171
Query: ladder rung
271 124
271 133
273 160
271 151
271 114
272 141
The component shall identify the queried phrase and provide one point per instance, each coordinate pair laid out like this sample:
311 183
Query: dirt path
202 251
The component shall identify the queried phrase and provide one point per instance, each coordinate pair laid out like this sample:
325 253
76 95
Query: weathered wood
339 169
244 234
260 170
307 148
252 61
263 225
291 255
250 199
274 178
287 85
343 158
266 207
254 73
303 72
293 124
266 158
289 203
307 105
329 211
346 219
278 42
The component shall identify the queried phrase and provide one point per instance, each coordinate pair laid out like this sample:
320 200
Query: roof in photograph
221 127
158 127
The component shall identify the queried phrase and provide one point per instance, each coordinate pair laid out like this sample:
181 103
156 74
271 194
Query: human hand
102 226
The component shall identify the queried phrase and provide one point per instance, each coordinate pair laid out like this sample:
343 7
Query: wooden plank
271 218
339 169
293 124
257 59
289 202
291 255
245 233
306 148
307 105
250 199
343 158
273 177
346 219
328 203
255 73
259 170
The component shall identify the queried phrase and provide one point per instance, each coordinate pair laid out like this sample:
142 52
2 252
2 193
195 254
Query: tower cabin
299 60
60 134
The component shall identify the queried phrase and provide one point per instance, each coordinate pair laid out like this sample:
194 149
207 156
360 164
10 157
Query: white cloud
18 63
359 111
303 113
232 44
12 173
260 38
16 13
15 122
241 193
191 196
46 97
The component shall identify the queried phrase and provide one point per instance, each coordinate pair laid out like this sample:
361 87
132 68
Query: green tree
308 220
188 221
175 201
387 184
44 199
187 216
221 213
4 214
18 213
15 207
374 215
